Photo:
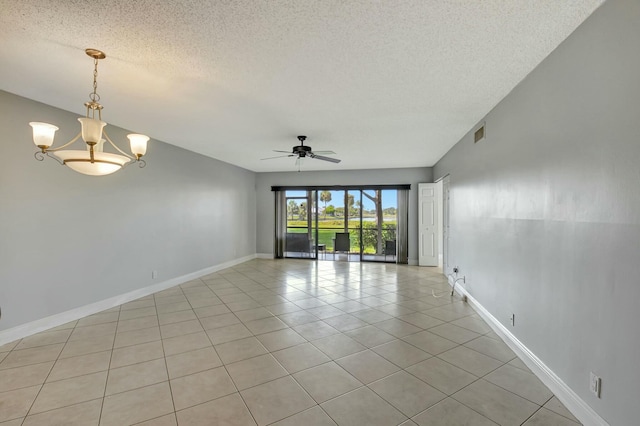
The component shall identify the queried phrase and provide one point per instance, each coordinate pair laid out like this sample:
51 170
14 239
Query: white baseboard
578 407
24 330
264 255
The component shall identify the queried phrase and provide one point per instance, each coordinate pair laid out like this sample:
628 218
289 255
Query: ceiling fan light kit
93 160
303 151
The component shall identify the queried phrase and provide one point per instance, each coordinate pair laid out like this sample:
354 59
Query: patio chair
298 243
389 248
341 243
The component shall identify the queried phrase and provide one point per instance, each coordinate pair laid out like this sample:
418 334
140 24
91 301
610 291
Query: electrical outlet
594 384
512 319
154 275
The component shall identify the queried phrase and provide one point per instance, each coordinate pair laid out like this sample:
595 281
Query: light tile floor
287 342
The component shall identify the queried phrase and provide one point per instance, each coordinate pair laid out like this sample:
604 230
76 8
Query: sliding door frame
312 208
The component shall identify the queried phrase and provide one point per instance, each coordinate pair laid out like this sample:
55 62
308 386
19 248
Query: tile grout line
225 369
532 414
164 357
49 373
471 408
106 382
278 362
281 366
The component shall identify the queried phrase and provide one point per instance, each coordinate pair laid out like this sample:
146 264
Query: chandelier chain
94 95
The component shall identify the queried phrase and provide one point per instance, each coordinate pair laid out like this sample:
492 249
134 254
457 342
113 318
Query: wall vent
479 134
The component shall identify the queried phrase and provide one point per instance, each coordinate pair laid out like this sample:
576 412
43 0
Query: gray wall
265 198
545 213
67 239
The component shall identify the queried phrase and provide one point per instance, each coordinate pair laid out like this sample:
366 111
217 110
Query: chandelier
93 160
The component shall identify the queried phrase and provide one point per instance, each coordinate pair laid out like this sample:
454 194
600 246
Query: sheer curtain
281 224
403 226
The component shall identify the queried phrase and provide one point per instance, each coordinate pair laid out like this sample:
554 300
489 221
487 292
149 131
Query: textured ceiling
381 83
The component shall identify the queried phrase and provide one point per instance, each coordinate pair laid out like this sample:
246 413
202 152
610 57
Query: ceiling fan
303 151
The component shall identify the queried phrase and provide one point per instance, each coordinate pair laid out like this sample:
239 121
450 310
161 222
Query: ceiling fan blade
320 157
276 150
279 156
324 152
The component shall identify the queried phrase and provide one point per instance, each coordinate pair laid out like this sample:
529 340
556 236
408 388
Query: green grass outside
326 236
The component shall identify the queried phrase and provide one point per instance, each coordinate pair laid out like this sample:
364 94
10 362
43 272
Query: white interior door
428 225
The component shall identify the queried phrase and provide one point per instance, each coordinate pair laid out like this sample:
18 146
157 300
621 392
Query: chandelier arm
140 162
55 158
104 132
66 144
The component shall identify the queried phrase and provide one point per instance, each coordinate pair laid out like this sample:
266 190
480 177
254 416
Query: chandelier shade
102 163
43 134
93 160
91 129
138 144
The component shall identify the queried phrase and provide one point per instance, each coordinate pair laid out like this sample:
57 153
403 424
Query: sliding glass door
379 225
350 224
301 220
330 221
